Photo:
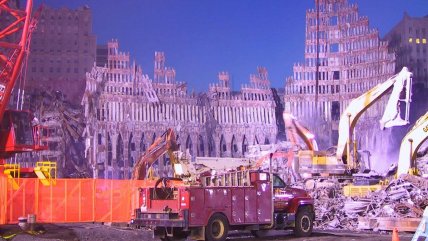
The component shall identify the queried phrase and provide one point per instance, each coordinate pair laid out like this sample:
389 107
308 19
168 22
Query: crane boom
411 143
11 59
359 105
163 144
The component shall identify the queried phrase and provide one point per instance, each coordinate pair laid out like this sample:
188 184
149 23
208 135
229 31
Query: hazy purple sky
201 37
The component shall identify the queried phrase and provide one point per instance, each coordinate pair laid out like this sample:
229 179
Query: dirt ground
99 232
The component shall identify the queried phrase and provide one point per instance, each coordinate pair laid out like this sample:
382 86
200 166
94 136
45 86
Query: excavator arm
359 105
293 129
166 143
411 143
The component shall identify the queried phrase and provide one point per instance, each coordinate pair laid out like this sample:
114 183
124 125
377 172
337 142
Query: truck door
197 211
264 202
250 208
238 207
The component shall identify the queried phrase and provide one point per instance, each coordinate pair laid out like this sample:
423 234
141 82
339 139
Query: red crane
17 132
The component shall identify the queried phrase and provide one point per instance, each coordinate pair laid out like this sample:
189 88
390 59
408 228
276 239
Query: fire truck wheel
259 233
179 235
304 222
217 228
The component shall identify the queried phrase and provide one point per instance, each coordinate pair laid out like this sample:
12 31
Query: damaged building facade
62 51
126 111
408 39
344 58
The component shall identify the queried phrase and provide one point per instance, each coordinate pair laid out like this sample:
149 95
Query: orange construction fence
69 200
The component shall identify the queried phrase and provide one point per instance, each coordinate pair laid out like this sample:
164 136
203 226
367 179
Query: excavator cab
19 133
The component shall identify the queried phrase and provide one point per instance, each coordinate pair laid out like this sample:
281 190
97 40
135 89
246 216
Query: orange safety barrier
70 200
3 198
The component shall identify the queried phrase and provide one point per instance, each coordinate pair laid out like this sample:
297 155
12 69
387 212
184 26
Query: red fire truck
238 200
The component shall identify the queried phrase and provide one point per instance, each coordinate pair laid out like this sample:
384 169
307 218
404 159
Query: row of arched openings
235 151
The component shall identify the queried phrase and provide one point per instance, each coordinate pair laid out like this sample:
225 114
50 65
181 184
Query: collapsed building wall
62 133
125 111
62 128
343 59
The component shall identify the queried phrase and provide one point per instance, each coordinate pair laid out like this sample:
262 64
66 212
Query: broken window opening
131 148
142 144
223 147
234 147
189 145
201 148
335 110
267 142
109 150
211 147
119 152
244 145
336 75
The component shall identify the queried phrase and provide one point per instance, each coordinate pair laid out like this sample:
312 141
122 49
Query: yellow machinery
46 172
406 160
345 158
166 143
346 146
12 171
360 191
410 145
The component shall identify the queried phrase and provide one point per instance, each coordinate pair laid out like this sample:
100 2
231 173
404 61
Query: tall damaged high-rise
126 111
343 59
408 39
62 50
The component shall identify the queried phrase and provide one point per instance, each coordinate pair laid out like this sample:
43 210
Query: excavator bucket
391 117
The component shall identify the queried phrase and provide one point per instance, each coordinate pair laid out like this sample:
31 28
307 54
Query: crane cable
24 67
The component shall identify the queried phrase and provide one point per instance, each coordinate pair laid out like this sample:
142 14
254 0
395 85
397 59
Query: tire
259 233
172 239
304 222
179 235
217 228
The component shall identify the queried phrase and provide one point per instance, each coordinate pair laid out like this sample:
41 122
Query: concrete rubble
422 163
405 197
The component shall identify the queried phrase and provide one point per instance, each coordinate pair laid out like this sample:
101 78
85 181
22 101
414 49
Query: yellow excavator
345 159
406 161
346 146
295 130
410 145
166 143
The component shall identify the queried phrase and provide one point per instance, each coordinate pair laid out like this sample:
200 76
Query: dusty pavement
99 232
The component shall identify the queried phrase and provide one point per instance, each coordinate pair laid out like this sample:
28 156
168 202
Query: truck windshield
278 182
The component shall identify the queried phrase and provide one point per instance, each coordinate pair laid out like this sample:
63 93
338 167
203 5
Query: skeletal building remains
343 59
125 111
61 51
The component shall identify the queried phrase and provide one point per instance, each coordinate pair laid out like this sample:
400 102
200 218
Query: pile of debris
422 164
405 197
64 125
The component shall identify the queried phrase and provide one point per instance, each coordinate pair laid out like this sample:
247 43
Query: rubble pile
405 197
422 165
64 126
329 209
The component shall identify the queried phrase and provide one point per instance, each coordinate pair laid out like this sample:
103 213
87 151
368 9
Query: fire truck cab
237 200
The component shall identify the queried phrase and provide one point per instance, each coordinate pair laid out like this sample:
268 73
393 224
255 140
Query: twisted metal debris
405 197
